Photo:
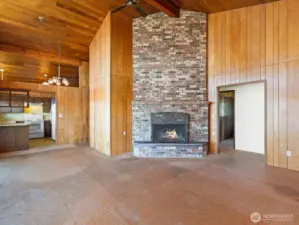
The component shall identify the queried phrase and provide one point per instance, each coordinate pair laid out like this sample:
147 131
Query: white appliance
53 118
36 125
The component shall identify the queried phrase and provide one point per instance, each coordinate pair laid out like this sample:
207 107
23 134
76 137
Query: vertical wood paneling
211 79
121 89
228 42
293 82
84 102
100 55
256 43
282 82
111 86
275 84
68 106
236 41
268 50
270 81
243 45
249 41
263 41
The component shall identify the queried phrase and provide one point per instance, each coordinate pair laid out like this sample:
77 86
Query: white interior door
250 118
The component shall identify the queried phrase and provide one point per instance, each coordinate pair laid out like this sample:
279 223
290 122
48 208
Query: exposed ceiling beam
165 6
39 55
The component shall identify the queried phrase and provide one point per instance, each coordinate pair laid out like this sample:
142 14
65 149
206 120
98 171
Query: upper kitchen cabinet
4 98
13 101
19 99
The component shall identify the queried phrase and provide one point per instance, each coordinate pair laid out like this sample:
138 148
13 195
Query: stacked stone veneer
170 71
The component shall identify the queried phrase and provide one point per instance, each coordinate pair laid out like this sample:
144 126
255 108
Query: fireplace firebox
170 127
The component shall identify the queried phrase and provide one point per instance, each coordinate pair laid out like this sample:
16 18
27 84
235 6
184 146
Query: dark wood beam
39 55
165 6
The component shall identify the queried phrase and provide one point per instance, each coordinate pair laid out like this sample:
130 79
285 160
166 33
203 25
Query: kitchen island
14 137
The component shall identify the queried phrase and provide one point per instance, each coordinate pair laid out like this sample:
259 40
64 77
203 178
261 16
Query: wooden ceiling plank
80 10
46 33
54 21
165 6
39 55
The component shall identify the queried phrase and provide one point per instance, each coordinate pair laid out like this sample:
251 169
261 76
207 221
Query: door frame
217 112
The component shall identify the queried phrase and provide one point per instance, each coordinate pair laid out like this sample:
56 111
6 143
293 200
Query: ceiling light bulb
65 82
58 83
54 79
45 82
1 70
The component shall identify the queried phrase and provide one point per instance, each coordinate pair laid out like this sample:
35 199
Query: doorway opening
41 118
242 117
227 119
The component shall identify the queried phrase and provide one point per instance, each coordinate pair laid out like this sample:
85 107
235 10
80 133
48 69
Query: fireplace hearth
170 138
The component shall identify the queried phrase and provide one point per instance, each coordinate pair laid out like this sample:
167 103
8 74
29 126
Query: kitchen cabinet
46 102
4 98
13 100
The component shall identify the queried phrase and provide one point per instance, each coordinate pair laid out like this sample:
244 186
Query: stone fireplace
170 110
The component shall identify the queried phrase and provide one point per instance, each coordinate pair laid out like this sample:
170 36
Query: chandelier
57 80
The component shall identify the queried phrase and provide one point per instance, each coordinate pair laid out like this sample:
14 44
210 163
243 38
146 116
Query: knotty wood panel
111 86
260 44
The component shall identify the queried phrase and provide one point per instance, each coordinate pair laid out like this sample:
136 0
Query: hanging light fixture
56 80
2 71
45 82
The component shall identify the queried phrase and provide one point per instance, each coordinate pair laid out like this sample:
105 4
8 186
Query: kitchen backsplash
19 116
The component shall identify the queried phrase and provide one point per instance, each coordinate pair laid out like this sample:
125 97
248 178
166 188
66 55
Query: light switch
60 115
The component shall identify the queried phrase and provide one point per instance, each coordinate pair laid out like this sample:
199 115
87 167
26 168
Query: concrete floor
80 186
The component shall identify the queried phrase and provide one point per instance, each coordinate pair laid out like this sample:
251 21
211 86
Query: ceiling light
2 70
41 19
56 80
45 82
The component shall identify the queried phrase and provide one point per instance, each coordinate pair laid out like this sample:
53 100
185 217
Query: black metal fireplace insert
170 127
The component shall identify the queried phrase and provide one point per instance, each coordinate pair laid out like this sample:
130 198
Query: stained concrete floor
80 186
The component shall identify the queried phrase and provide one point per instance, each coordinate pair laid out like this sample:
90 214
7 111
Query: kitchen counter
14 137
13 124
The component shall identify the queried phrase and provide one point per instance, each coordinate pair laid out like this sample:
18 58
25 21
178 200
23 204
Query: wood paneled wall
71 103
121 84
111 86
84 102
260 43
99 81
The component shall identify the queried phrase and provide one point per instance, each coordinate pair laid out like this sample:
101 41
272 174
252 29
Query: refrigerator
53 118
